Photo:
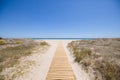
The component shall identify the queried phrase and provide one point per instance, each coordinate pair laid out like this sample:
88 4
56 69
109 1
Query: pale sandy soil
79 73
33 67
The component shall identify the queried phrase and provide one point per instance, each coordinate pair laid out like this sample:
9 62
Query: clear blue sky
59 18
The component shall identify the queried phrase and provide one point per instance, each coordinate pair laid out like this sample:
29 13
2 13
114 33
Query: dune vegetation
11 50
100 57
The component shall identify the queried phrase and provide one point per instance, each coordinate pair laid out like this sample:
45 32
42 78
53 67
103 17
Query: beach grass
100 56
10 55
79 55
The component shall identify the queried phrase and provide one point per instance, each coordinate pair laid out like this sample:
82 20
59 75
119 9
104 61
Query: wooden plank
60 68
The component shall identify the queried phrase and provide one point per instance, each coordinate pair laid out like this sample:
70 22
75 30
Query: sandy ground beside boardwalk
79 73
47 59
33 67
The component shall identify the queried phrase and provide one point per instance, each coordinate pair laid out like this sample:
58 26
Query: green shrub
43 43
79 55
19 42
2 42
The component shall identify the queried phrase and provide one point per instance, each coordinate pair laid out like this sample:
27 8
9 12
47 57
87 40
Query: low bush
2 42
19 42
80 54
43 43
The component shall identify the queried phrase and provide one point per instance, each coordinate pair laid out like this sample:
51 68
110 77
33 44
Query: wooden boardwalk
60 68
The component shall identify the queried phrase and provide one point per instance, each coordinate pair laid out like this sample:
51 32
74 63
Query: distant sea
63 38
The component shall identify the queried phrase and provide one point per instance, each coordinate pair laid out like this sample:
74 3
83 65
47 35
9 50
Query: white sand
33 67
79 73
40 72
46 60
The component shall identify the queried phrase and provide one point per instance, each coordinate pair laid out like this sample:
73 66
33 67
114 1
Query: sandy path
46 60
60 68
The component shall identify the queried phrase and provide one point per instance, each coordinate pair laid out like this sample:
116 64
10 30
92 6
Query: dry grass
108 70
79 55
10 56
99 56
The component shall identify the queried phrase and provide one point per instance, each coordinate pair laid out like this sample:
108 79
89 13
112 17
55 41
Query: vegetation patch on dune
14 49
100 57
2 42
81 54
43 43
